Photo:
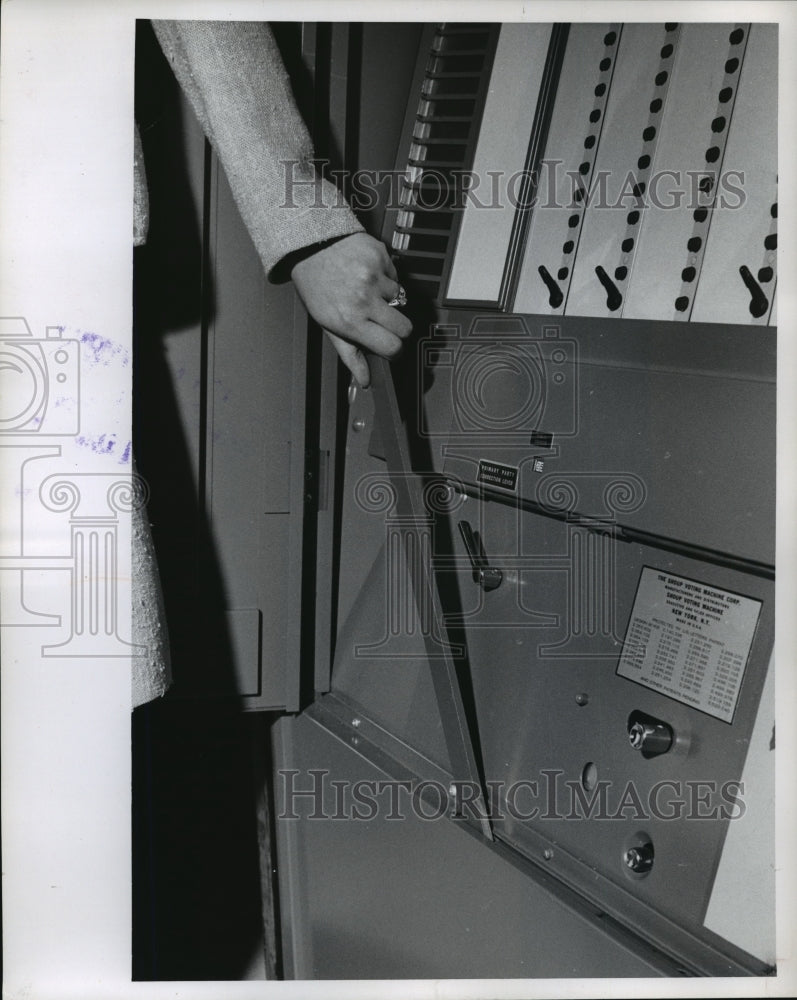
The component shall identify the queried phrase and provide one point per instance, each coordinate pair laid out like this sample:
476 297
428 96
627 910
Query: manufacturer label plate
689 641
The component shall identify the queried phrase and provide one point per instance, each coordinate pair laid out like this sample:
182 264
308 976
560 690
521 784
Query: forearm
233 76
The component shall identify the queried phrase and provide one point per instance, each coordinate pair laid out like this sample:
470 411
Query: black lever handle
485 575
555 296
759 303
614 298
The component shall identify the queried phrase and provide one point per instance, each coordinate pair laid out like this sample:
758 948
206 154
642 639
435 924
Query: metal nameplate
497 474
689 641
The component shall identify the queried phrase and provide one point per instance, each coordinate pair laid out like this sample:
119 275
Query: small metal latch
486 576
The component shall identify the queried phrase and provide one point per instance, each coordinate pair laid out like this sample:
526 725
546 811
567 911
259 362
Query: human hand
346 288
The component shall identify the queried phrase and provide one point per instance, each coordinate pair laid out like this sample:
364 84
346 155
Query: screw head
548 853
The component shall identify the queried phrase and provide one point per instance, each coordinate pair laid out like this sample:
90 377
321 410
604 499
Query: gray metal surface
416 898
544 650
499 159
683 415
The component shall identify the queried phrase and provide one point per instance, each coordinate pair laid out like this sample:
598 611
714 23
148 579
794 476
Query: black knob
555 296
652 738
759 303
614 298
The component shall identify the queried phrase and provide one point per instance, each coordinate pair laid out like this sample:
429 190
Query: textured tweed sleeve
234 78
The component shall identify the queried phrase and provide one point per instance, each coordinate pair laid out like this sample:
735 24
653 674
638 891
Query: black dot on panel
643 162
633 218
595 115
765 274
726 94
639 189
712 154
610 39
567 247
771 242
700 214
604 64
600 90
573 221
682 303
649 133
627 245
688 274
620 273
731 65
706 184
655 105
671 26
774 211
589 142
578 194
584 167
718 124
666 52
661 78
736 36
562 273
694 244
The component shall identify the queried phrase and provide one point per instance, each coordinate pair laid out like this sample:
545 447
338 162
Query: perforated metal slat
608 240
688 159
570 151
743 234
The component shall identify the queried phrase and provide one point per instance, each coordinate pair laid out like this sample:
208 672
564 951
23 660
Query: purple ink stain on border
100 445
102 351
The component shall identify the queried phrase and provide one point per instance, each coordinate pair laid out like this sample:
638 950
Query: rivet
358 424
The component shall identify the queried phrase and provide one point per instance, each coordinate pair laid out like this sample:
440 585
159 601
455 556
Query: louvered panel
737 282
573 139
637 97
499 161
441 145
691 147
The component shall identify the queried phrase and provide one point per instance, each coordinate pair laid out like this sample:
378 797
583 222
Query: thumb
353 358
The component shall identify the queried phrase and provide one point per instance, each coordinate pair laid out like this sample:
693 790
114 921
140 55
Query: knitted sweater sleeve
233 76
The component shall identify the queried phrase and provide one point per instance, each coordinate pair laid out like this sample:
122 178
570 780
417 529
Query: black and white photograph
395 441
